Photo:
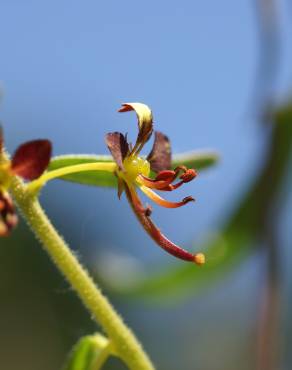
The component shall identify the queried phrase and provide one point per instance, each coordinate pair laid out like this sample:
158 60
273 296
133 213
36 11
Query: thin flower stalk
36 185
123 340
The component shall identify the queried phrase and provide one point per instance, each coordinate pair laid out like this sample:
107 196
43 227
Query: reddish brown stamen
189 175
164 179
149 226
162 202
166 175
153 184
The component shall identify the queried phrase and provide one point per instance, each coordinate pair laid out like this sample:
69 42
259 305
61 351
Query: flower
134 171
29 161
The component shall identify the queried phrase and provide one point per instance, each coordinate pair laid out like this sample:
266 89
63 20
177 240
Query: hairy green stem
126 345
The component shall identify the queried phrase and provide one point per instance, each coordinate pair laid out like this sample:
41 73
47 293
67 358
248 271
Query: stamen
164 179
162 202
177 185
149 226
199 258
153 184
188 175
166 175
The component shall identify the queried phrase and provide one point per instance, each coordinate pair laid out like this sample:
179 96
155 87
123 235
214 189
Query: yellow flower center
135 166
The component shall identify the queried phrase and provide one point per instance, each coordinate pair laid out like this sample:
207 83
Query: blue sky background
65 68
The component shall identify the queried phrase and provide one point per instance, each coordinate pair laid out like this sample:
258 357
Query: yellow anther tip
199 259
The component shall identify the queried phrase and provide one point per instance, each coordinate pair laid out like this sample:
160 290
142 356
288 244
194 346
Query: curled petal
118 146
162 202
31 159
8 217
160 155
143 216
145 123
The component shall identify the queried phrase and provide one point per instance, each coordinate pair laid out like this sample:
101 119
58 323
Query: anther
188 199
199 259
188 175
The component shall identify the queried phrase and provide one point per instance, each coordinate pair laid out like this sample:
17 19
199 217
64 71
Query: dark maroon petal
118 146
143 215
160 155
31 159
8 217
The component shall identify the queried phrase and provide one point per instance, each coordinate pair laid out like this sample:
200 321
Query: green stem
126 345
35 185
